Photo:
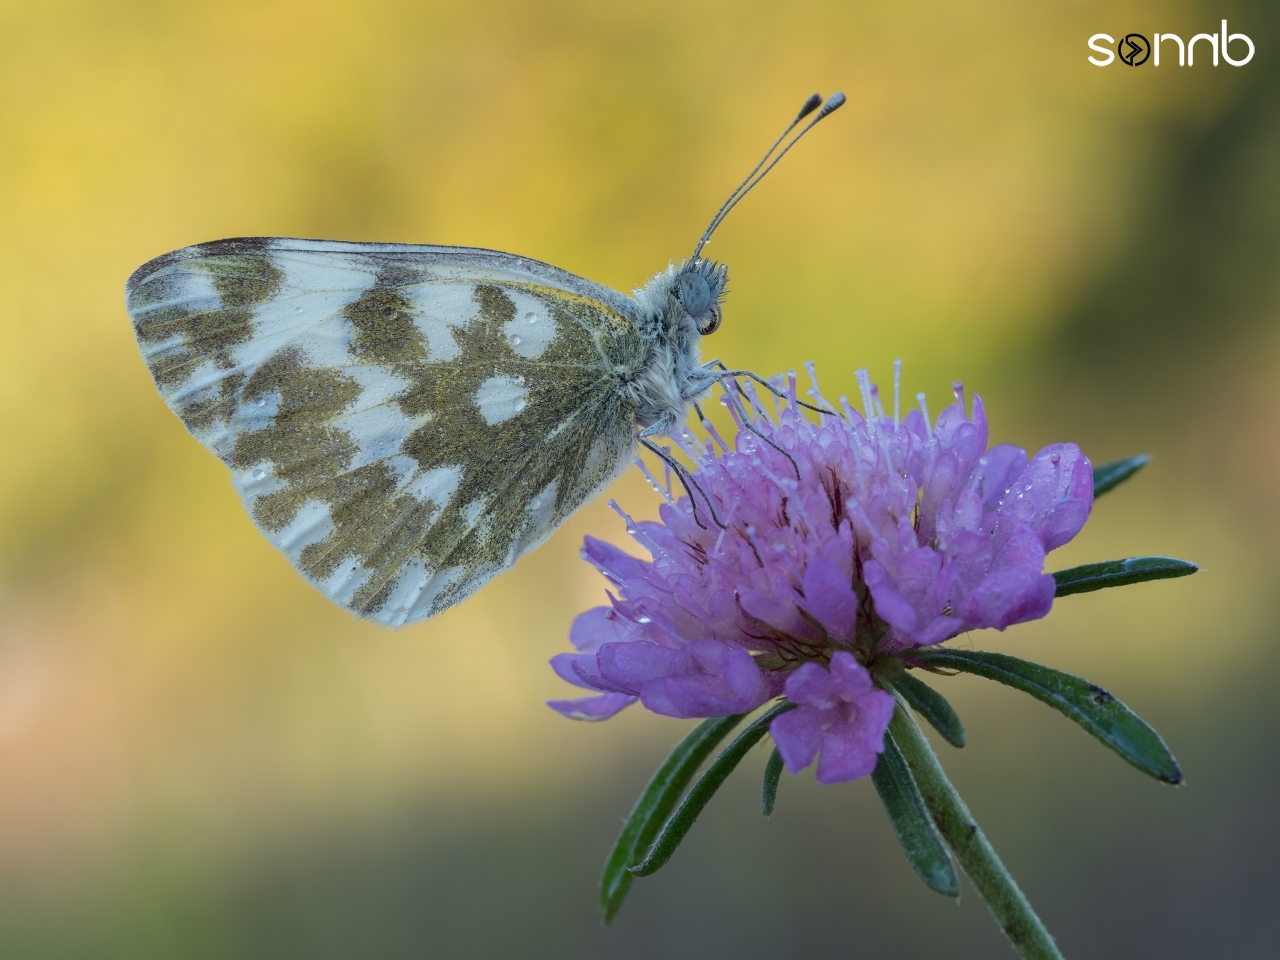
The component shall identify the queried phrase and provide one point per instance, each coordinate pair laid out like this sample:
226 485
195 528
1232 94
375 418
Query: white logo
1134 49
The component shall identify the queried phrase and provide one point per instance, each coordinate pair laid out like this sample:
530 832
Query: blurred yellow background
201 757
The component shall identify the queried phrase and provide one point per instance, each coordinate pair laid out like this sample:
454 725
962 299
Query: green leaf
921 842
1111 475
933 706
654 805
968 844
1119 573
1088 705
769 788
679 823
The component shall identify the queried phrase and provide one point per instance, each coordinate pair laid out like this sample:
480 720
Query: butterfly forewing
402 422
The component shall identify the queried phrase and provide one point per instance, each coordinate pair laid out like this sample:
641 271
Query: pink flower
841 715
840 543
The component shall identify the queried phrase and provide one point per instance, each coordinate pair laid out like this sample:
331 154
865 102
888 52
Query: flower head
819 550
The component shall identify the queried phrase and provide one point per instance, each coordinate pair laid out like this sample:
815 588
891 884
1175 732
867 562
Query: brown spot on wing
384 329
573 403
241 281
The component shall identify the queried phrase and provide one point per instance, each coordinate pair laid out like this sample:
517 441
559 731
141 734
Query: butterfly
405 421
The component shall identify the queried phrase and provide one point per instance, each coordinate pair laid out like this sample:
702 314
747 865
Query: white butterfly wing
403 422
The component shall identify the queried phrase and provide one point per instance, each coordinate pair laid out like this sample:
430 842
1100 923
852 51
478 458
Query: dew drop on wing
515 341
531 318
259 474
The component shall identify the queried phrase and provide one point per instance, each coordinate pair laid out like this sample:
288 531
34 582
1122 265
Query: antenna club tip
810 105
834 102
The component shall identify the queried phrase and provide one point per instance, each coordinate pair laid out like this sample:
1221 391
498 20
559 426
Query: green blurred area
200 757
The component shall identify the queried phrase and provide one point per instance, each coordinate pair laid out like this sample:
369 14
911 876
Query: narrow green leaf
679 823
655 805
921 842
1090 706
969 844
1119 573
769 788
933 706
1111 475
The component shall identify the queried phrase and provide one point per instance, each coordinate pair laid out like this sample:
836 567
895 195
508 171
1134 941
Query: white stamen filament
818 398
897 392
864 384
875 395
639 535
728 525
654 483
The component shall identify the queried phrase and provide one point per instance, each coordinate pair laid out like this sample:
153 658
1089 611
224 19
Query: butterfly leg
686 478
746 422
727 373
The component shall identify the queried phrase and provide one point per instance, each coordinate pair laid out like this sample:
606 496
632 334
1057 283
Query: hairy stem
970 846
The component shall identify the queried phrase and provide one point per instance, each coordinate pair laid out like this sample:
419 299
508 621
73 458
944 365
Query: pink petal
592 708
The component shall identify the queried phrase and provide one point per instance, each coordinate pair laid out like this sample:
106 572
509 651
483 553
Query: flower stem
970 846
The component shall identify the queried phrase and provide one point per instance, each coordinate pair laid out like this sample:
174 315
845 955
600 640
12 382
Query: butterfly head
699 289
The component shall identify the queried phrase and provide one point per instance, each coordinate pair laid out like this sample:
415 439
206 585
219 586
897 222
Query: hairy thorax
673 375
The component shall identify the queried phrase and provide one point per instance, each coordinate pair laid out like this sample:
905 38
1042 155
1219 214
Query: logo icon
1134 50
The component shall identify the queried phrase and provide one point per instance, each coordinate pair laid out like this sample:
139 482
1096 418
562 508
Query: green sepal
1088 705
920 839
680 822
1111 475
769 787
1119 573
933 706
654 806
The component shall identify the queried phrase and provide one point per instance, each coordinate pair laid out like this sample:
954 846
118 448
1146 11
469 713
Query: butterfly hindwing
402 422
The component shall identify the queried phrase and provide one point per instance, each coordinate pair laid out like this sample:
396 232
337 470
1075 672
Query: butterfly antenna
834 102
809 106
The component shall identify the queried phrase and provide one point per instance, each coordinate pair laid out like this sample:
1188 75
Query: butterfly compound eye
694 295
